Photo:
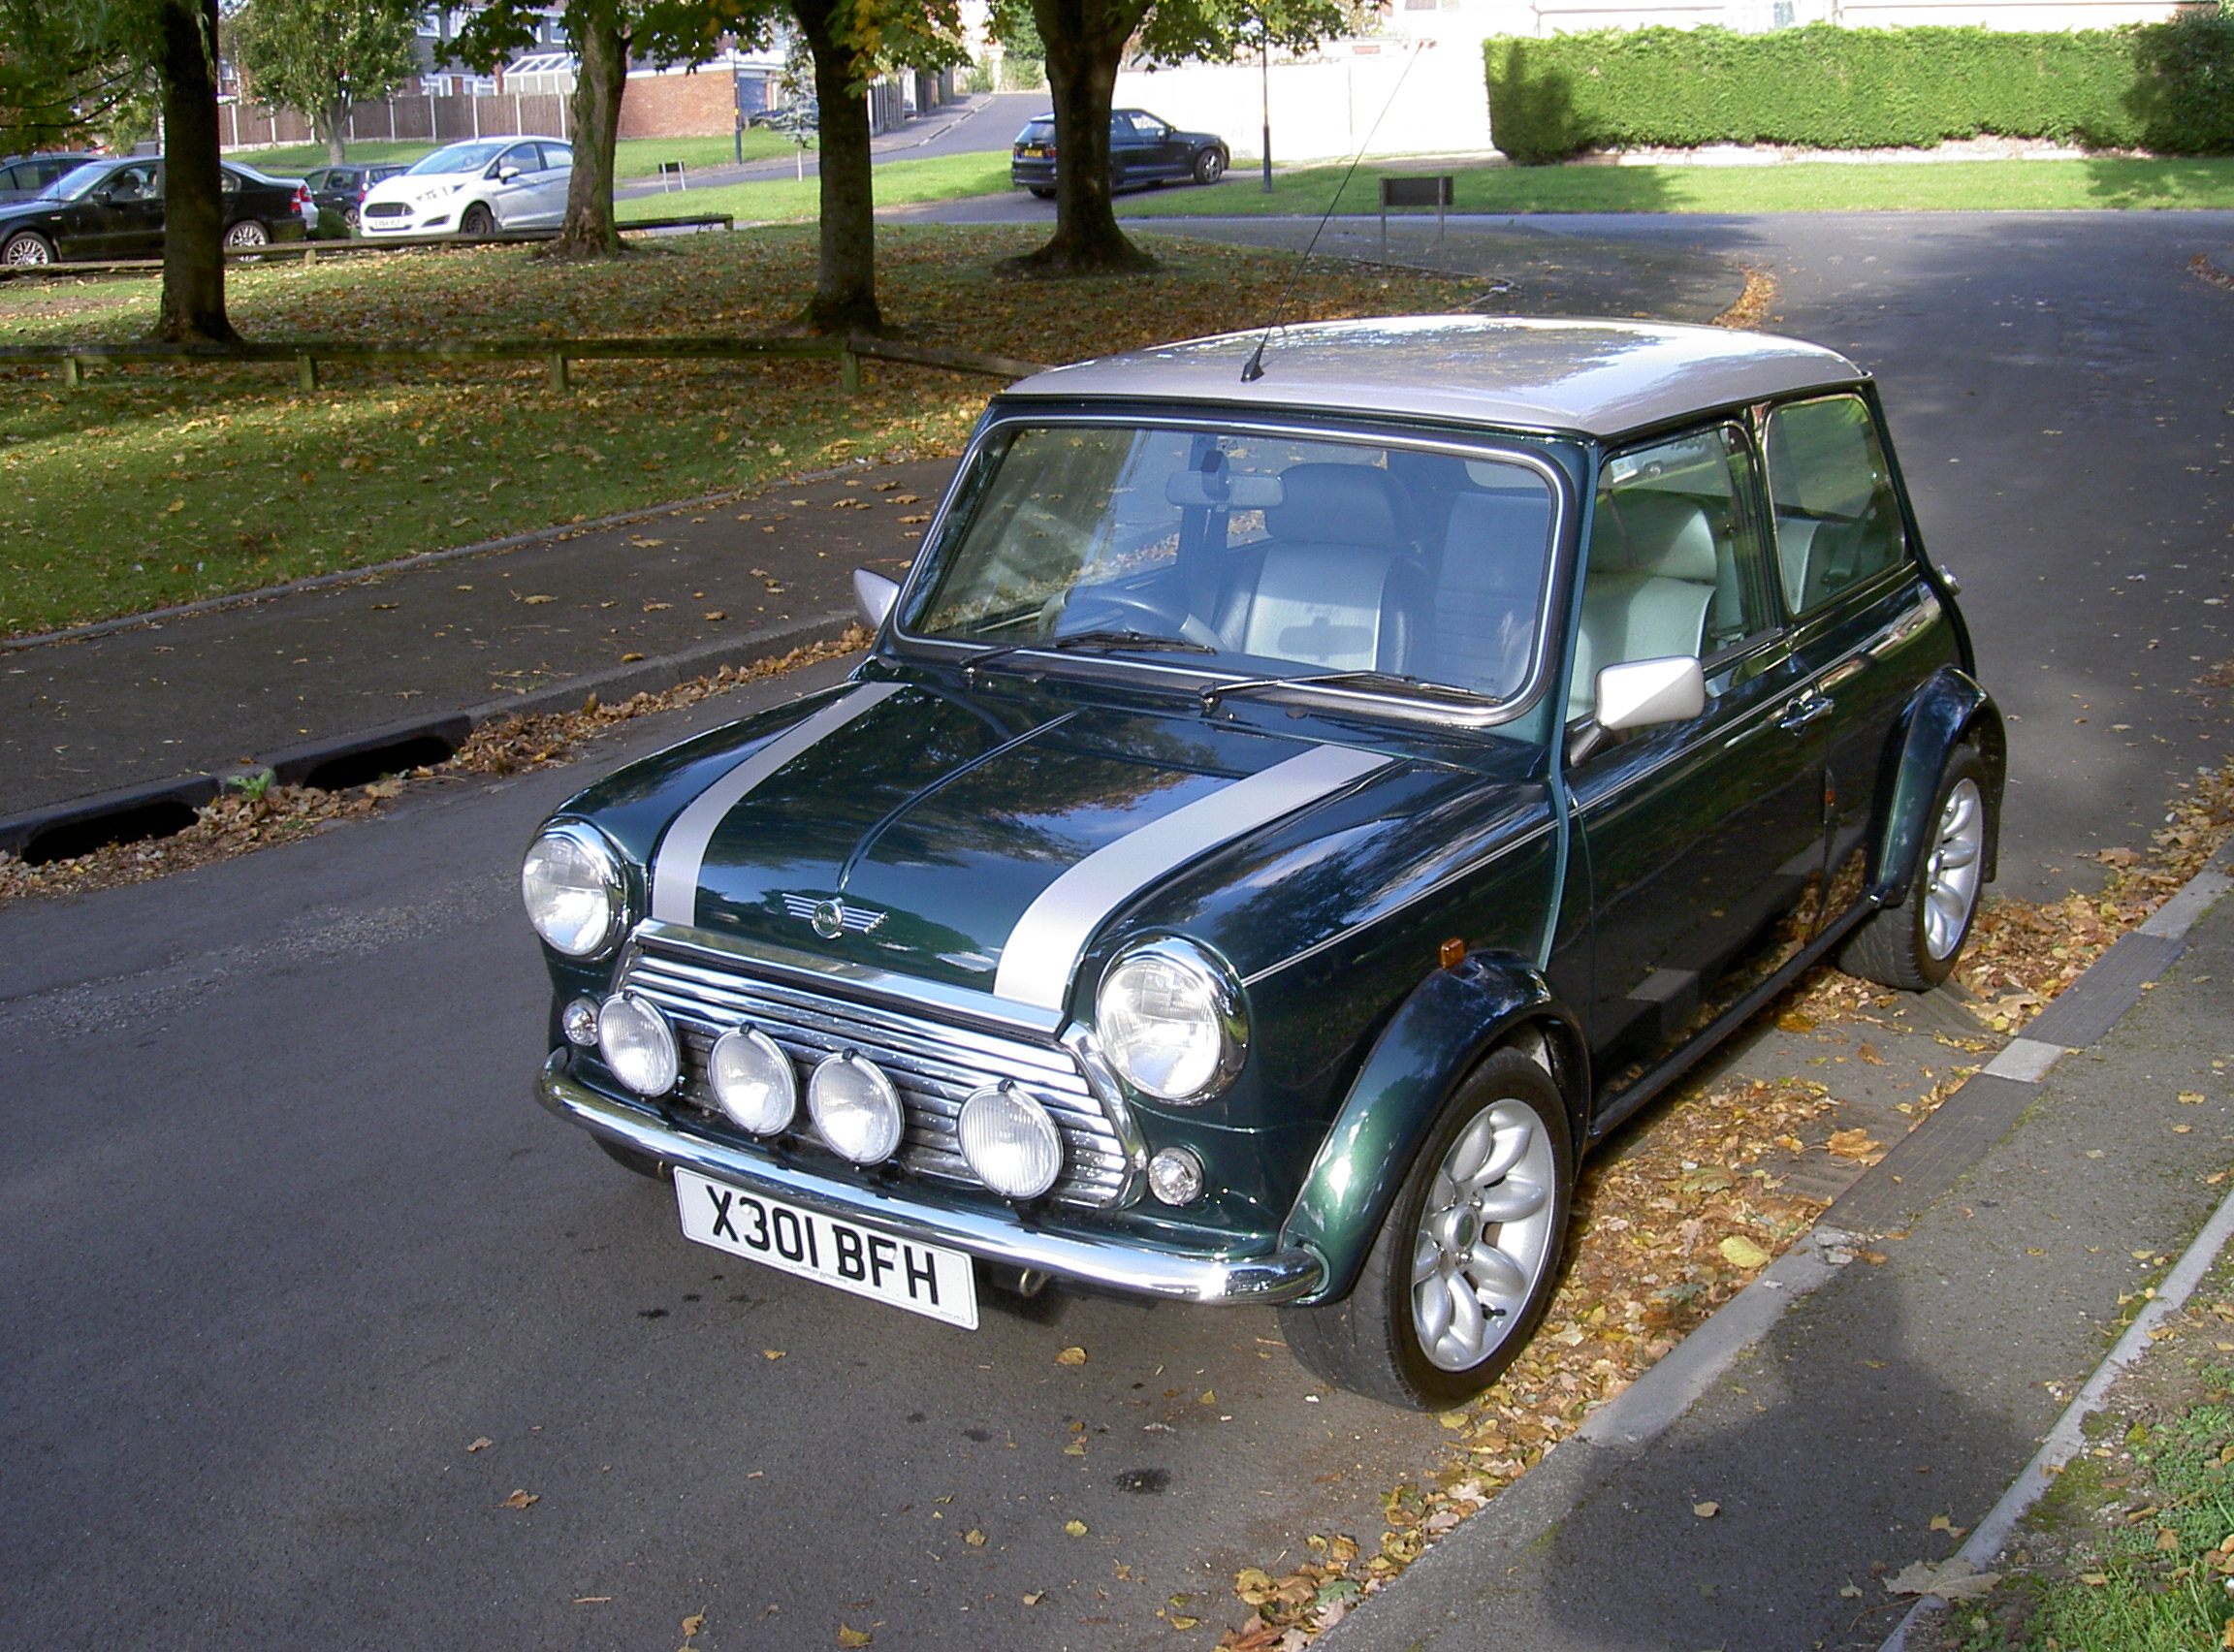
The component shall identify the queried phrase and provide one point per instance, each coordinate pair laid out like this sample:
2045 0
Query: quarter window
1837 519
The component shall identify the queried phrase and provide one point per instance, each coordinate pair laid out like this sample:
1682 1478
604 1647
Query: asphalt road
285 1238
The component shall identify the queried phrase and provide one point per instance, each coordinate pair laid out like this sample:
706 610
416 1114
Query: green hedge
2163 86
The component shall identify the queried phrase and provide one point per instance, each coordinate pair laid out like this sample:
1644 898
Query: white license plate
904 1273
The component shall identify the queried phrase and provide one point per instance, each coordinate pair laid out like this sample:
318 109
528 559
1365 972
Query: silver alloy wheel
1951 874
26 251
1485 1236
248 232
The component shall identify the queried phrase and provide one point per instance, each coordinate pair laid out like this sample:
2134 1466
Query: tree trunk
193 305
330 128
845 296
587 231
1085 43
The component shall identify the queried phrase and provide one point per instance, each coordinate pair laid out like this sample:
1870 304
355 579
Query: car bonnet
979 842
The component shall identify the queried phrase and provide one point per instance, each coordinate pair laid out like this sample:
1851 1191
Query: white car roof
1600 378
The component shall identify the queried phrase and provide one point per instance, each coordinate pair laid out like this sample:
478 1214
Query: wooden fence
555 353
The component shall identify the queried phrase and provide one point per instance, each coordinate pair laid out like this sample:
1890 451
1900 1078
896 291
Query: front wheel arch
1438 1035
1465 1262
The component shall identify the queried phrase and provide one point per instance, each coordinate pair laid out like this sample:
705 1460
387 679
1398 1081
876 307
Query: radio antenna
1255 368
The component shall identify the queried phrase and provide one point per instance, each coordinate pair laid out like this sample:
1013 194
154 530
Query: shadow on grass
2198 181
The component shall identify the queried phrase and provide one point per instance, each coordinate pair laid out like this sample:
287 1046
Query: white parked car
474 189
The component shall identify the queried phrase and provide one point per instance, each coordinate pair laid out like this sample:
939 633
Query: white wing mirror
874 596
1640 692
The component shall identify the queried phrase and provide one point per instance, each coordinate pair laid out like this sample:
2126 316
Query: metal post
1264 70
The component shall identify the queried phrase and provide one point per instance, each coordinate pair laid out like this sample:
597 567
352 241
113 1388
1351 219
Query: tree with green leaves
320 57
849 41
1086 42
68 67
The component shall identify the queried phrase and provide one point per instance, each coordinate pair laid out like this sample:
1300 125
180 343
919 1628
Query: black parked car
1307 791
1143 152
22 177
338 192
115 209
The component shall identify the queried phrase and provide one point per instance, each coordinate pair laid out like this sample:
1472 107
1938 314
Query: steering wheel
1167 620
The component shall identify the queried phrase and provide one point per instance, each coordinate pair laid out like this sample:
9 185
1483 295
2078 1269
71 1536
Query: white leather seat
1648 588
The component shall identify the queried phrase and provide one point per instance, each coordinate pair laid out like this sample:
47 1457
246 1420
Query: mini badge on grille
830 917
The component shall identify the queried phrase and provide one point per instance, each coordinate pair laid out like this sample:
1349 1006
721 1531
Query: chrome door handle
1803 711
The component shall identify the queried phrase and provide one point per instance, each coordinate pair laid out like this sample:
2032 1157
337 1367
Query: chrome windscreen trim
681 853
1252 1277
1042 950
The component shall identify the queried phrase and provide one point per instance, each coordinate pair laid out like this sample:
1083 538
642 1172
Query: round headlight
572 887
638 1044
856 1108
1010 1142
752 1080
1170 1020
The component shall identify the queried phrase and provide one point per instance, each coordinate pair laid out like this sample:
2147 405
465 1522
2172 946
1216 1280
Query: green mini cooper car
1307 790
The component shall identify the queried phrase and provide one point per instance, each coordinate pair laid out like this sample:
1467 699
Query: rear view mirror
874 596
1639 693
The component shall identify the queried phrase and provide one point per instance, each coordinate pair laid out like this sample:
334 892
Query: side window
557 157
1671 543
1838 520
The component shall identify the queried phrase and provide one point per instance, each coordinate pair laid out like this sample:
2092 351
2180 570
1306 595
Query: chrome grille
934 1065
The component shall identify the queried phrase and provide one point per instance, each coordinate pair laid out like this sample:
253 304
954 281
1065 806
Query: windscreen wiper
1089 642
1213 692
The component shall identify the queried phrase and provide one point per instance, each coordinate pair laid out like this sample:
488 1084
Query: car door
553 181
122 217
1132 158
1701 840
1856 593
512 179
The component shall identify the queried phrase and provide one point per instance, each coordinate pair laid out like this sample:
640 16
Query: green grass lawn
156 484
1799 186
632 157
777 201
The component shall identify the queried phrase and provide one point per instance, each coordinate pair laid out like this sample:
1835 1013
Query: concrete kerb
448 729
1627 1424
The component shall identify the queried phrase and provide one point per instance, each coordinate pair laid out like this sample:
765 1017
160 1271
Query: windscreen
1263 554
459 158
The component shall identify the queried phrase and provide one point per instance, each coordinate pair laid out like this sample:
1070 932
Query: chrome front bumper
1261 1279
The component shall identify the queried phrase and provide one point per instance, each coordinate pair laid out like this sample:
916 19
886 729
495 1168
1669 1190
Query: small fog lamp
753 1081
1010 1142
579 1022
856 1108
638 1044
1176 1176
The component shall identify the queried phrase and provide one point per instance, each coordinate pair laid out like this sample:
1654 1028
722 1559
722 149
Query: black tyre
352 221
1466 1260
478 223
1209 167
248 232
26 249
1043 192
1914 945
643 1163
